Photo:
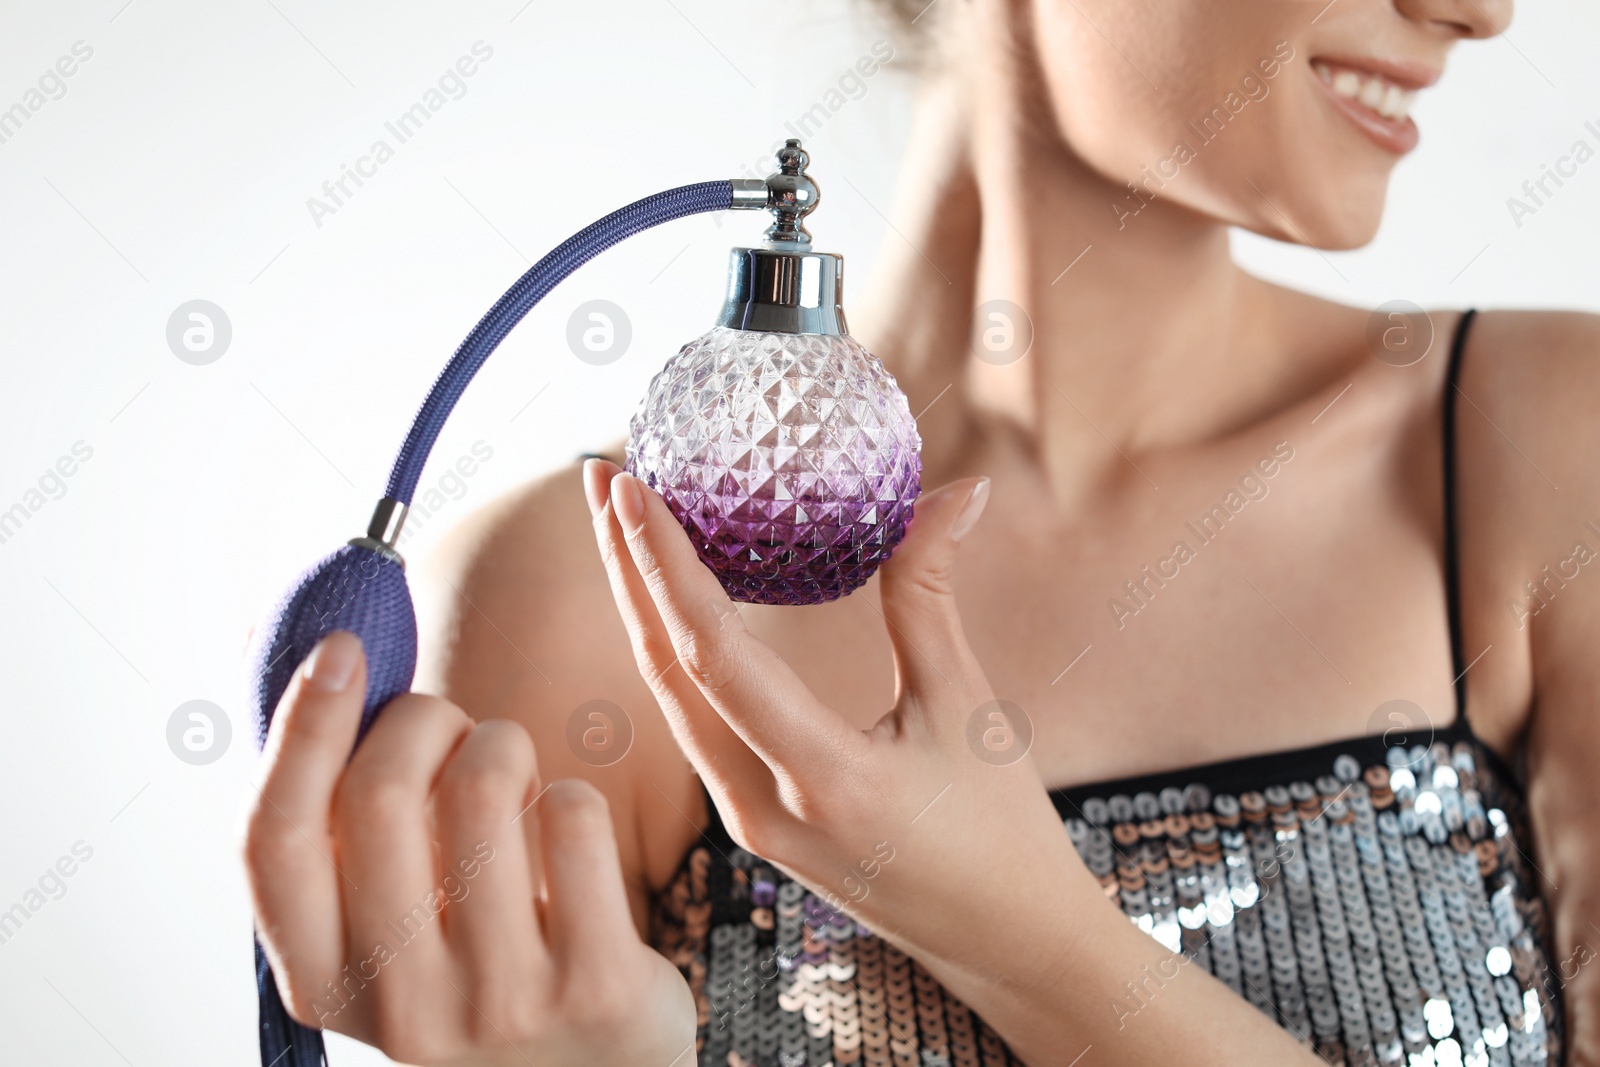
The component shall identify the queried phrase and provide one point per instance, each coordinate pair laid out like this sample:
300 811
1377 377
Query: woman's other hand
428 896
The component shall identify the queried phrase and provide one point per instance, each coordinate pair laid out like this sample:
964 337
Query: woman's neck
1146 336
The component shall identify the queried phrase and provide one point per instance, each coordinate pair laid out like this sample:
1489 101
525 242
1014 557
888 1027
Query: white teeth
1393 105
1383 97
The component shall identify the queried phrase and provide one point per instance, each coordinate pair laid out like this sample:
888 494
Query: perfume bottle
784 448
782 445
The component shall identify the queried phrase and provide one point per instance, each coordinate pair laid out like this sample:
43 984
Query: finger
707 739
289 845
597 475
489 920
749 684
917 587
587 916
392 900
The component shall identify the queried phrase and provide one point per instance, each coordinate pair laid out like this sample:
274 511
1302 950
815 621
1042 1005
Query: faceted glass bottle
791 459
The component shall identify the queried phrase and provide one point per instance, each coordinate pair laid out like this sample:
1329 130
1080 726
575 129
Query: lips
1376 95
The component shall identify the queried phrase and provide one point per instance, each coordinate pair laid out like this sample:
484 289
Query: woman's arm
984 888
1529 469
1563 762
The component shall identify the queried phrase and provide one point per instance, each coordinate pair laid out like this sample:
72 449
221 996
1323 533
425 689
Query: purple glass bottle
782 445
790 459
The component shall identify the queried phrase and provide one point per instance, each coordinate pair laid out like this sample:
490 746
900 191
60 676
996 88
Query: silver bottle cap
783 286
777 290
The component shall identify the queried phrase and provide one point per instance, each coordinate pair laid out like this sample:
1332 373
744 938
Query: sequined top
1374 896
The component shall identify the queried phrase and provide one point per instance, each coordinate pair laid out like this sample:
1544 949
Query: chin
1342 233
1337 213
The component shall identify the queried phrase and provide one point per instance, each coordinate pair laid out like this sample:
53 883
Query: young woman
1248 565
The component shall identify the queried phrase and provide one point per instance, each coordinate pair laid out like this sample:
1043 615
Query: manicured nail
971 510
333 662
627 501
594 485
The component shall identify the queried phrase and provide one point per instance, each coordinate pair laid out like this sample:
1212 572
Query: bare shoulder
518 623
1525 410
1527 437
1541 355
523 566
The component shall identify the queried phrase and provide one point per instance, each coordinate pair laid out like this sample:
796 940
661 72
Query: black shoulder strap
1452 565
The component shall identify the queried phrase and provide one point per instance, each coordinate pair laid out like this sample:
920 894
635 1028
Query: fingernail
627 501
971 511
594 485
333 662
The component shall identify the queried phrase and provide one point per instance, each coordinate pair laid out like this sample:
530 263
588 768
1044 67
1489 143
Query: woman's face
1282 116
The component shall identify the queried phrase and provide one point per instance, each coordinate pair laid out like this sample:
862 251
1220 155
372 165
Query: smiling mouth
1377 100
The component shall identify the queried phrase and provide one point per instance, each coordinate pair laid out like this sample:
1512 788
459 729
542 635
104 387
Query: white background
177 166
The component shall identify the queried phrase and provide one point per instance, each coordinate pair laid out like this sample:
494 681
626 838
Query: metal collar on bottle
784 290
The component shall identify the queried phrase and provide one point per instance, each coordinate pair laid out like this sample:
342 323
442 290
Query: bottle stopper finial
792 195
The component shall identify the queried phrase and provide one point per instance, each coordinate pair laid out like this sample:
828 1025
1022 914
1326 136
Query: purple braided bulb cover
355 589
790 459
